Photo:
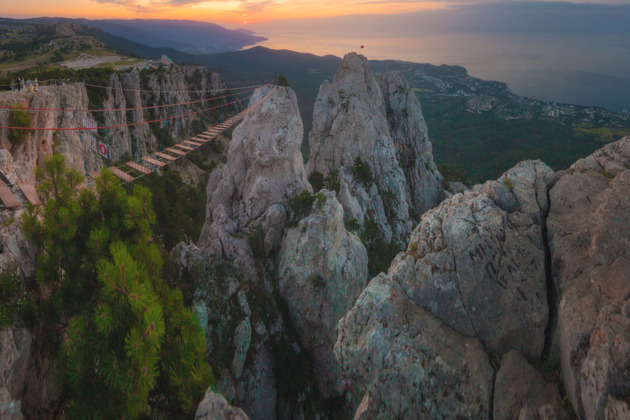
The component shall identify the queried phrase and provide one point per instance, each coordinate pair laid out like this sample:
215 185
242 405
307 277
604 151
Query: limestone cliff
27 372
373 135
322 270
264 169
124 92
291 275
472 281
413 148
534 267
589 239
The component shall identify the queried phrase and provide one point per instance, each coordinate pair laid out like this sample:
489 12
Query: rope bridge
131 171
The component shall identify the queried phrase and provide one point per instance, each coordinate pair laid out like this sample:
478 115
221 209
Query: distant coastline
588 69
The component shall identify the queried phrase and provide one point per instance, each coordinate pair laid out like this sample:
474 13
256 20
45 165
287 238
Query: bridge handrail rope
120 125
68 80
135 130
120 109
176 91
74 114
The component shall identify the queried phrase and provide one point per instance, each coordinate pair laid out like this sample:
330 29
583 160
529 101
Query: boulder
215 406
322 270
520 392
477 261
407 363
589 240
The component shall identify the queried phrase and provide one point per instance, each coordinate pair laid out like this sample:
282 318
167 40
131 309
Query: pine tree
127 344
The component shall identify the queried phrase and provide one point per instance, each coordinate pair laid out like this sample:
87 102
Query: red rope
121 109
121 125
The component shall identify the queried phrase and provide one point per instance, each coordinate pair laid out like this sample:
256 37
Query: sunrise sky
233 13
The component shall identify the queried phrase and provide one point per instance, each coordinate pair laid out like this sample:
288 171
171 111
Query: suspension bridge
141 166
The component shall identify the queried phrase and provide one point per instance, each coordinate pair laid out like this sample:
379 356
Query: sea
584 69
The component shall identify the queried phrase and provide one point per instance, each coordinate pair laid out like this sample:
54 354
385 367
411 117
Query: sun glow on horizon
235 12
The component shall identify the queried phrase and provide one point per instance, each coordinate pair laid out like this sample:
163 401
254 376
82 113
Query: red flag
361 46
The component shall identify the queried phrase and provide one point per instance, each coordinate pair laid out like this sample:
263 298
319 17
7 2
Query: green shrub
19 118
380 253
452 173
369 232
12 298
332 182
353 225
508 183
180 208
361 171
414 214
282 81
320 200
301 205
317 180
380 256
607 175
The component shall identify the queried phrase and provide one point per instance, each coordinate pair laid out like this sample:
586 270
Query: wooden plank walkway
139 168
165 156
120 174
192 143
7 197
30 192
188 148
153 161
177 152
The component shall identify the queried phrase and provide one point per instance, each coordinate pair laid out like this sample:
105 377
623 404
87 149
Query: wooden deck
30 192
7 197
139 168
153 161
120 174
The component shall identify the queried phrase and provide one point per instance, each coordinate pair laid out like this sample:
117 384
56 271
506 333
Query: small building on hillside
165 60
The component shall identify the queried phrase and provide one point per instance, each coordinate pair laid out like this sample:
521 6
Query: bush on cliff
362 173
128 347
19 118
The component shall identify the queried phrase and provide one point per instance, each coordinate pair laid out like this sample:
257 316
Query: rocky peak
264 168
373 135
413 148
246 217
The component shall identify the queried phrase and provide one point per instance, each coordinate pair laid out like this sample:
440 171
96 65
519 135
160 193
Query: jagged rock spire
359 120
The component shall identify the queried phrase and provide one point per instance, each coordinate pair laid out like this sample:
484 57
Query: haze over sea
553 51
